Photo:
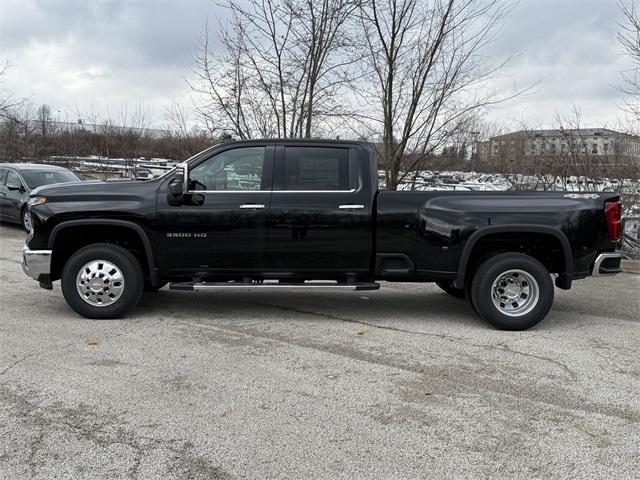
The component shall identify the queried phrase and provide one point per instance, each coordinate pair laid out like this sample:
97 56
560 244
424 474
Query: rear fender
564 279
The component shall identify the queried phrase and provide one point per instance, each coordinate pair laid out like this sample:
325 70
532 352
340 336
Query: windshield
35 178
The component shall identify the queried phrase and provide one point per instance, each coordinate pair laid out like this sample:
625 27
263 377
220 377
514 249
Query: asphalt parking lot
402 383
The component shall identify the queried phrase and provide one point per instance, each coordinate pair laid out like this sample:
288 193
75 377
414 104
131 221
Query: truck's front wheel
512 291
102 281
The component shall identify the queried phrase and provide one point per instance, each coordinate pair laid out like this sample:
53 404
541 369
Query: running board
188 286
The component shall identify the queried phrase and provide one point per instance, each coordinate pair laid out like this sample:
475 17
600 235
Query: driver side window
240 169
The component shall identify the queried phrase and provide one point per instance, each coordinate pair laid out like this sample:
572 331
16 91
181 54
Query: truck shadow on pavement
422 305
387 305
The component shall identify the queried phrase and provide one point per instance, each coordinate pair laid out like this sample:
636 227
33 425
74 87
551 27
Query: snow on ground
428 180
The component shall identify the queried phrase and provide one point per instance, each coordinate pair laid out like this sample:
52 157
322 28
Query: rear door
321 210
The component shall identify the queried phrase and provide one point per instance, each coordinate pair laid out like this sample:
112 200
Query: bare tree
227 100
629 38
322 35
428 74
181 135
8 101
125 129
283 63
178 118
44 119
17 132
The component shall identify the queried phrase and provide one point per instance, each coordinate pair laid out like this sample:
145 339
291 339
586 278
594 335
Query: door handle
251 206
351 207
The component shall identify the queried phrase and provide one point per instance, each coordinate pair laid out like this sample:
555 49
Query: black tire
510 274
448 287
122 259
148 287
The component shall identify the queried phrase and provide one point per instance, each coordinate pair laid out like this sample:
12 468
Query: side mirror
13 187
179 184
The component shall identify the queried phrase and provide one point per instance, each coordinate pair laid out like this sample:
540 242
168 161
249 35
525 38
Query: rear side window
317 168
3 176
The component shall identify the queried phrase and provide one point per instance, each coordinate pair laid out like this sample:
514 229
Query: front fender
144 238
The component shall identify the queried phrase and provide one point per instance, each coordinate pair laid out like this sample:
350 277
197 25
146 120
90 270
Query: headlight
36 201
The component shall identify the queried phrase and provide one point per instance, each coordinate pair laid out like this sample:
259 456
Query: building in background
599 146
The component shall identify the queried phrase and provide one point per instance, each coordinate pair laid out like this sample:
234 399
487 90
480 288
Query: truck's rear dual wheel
512 291
102 281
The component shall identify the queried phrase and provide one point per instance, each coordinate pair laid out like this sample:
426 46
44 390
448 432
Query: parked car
18 179
308 214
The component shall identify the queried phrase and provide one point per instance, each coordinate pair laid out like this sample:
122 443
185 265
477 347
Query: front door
321 211
222 227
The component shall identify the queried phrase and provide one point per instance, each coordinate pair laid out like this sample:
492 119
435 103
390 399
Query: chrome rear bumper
36 263
606 264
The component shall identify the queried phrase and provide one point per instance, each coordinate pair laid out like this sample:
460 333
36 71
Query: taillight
613 214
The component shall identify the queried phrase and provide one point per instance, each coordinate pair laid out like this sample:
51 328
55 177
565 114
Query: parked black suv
308 214
18 179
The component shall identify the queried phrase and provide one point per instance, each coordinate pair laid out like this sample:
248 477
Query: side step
270 284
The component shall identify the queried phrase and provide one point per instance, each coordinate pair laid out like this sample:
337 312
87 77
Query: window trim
353 190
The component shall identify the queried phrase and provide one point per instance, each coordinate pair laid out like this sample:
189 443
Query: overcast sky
72 54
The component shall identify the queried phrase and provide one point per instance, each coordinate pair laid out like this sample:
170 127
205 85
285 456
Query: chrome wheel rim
100 283
26 220
515 293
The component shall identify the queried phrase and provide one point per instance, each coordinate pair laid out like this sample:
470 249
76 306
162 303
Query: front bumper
606 264
37 264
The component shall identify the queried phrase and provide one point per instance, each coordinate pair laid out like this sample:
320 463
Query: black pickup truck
308 214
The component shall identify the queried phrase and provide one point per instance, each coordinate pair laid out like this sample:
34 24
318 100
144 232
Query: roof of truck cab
298 140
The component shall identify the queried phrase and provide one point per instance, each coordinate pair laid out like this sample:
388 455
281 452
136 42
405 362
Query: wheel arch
139 233
566 274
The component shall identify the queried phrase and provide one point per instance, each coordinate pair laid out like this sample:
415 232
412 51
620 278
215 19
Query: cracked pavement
404 383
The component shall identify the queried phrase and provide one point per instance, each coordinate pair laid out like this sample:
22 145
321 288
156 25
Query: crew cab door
221 227
321 210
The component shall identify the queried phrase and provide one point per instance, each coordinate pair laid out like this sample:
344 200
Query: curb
630 266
